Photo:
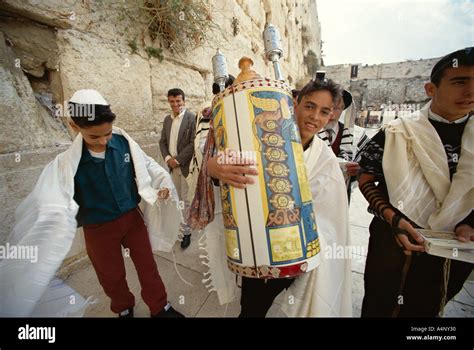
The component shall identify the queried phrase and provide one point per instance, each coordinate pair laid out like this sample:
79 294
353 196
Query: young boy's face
313 112
454 97
96 136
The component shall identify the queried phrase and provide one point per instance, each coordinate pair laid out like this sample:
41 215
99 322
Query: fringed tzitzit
207 281
201 212
444 287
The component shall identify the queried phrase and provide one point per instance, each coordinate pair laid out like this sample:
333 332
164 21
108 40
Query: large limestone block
249 18
24 123
276 12
87 62
254 9
54 13
415 90
34 45
164 76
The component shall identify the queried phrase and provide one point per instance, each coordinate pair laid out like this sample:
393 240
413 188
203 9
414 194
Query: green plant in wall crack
132 44
179 25
154 52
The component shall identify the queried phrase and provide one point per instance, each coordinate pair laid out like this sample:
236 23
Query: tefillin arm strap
377 202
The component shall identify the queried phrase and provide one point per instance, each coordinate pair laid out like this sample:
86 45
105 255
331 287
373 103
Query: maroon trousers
104 246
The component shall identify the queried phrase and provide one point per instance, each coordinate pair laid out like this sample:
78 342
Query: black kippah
229 81
460 57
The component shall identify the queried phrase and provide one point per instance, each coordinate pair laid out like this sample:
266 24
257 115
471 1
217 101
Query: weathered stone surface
377 92
415 91
254 9
165 76
54 13
399 82
87 62
397 70
34 44
24 123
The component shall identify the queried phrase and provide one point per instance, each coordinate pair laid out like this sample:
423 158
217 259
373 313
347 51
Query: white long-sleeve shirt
175 125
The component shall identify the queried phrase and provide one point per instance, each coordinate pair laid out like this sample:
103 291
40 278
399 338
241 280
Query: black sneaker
186 241
170 313
126 313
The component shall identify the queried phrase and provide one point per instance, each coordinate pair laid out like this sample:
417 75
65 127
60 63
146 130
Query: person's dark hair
295 93
87 115
229 81
464 57
176 92
321 84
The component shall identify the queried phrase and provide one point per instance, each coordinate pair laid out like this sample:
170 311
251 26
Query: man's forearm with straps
403 227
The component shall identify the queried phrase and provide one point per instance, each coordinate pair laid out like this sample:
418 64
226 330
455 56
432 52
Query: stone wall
400 82
408 69
376 92
51 48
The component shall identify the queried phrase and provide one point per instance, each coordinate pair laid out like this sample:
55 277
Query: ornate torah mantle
270 227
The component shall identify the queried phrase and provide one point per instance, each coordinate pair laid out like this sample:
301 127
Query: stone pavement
196 301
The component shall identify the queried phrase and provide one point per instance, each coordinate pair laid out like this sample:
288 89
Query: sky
383 31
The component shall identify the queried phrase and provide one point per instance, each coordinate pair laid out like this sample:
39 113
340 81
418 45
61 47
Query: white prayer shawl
47 219
323 292
417 174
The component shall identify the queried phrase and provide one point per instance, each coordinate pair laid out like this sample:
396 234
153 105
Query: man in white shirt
177 148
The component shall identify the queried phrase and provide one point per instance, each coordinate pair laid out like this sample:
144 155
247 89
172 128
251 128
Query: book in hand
446 245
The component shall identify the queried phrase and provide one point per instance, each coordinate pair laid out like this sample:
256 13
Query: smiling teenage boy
326 290
107 194
97 183
423 164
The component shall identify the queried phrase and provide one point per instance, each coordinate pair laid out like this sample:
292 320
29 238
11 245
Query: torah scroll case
270 228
